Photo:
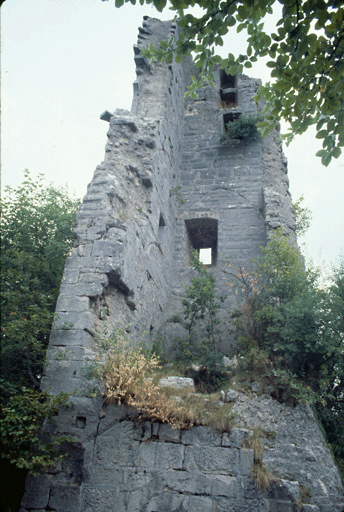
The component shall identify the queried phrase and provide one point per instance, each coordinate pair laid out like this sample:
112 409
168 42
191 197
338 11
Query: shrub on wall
243 127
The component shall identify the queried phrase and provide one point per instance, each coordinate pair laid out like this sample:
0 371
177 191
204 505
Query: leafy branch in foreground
305 52
21 420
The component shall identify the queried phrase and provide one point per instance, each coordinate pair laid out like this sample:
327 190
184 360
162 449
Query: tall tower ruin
168 184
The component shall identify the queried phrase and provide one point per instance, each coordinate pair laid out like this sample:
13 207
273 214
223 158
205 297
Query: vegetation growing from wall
243 127
291 331
131 377
201 305
37 225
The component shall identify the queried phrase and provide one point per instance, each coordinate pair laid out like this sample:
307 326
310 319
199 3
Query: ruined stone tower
169 183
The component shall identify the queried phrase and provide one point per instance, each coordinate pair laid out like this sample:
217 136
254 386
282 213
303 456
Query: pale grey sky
66 61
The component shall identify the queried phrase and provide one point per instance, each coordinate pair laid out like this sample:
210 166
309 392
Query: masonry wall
123 465
165 173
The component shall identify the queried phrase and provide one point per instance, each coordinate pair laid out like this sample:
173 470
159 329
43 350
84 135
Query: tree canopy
37 228
305 52
291 331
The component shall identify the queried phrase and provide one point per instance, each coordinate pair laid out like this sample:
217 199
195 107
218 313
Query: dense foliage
36 235
201 305
244 126
305 51
291 334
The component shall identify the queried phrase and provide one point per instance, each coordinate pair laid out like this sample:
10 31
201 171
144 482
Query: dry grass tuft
255 443
263 477
131 378
127 375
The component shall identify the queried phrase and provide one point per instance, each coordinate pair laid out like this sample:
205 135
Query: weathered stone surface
229 396
37 491
167 177
176 382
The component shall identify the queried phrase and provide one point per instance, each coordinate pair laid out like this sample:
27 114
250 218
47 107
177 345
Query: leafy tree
291 332
331 410
303 216
37 233
306 52
200 302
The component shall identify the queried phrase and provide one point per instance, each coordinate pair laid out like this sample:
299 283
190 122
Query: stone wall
120 464
167 180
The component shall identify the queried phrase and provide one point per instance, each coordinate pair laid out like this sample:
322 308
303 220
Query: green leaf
326 159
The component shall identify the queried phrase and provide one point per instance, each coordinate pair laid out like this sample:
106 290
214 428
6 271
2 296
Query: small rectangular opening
228 91
228 99
202 237
205 256
80 422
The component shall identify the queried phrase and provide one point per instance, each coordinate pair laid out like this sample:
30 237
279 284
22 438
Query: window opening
162 228
227 81
228 90
205 255
203 238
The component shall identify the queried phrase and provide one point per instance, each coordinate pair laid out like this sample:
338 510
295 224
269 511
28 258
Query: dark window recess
229 118
227 81
203 238
162 228
228 90
80 422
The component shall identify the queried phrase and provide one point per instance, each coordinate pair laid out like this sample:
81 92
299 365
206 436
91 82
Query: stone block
211 459
229 486
64 497
176 382
186 483
169 434
147 455
116 450
58 353
201 503
103 248
138 498
110 415
71 338
65 369
92 290
169 455
37 491
201 436
102 499
68 303
70 276
280 506
71 320
236 437
245 461
241 505
285 490
55 385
